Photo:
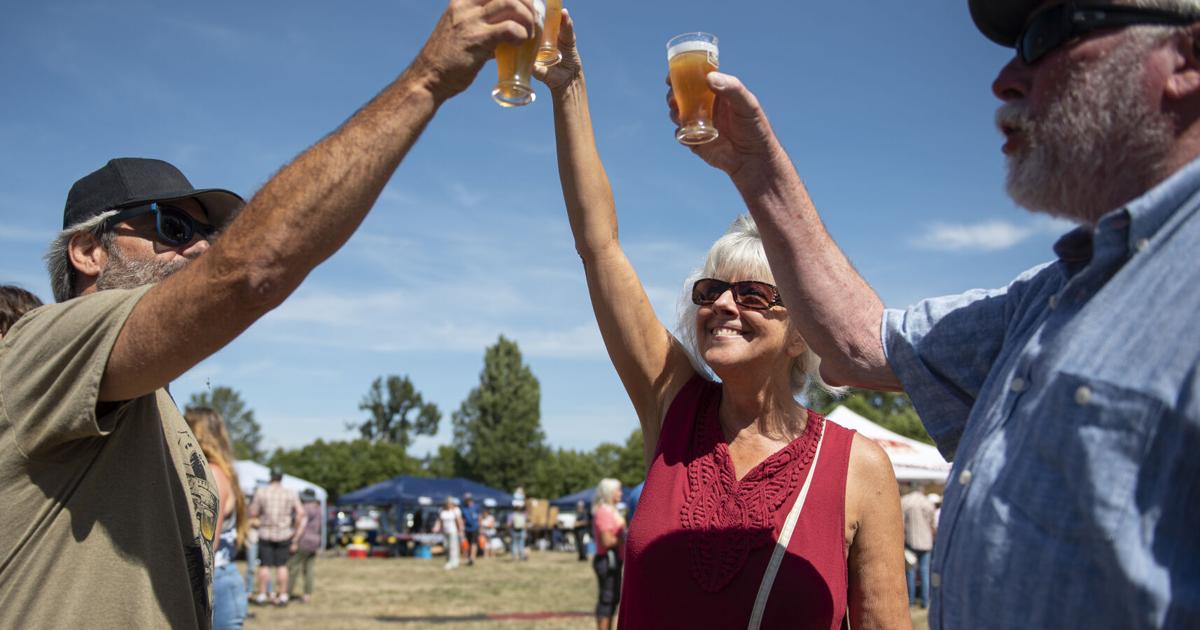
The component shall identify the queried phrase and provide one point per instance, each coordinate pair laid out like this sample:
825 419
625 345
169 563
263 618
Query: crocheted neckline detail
724 518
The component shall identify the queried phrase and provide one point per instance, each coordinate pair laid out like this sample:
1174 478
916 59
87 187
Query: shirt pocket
1073 468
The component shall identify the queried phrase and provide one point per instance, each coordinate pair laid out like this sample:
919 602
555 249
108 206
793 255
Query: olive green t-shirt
106 521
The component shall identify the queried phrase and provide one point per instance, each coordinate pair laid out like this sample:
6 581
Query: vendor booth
911 460
251 475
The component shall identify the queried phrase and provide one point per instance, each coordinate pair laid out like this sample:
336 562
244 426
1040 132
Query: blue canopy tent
404 490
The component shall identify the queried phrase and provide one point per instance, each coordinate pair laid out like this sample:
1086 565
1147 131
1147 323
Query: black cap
1002 20
125 182
276 472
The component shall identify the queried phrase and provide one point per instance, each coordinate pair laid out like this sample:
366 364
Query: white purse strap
785 536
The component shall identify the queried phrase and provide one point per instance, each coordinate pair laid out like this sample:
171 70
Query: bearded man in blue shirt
1069 400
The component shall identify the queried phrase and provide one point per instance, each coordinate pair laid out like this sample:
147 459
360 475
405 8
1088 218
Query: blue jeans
251 565
229 598
518 550
923 565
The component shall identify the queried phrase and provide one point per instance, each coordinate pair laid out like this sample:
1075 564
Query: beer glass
514 62
690 57
548 54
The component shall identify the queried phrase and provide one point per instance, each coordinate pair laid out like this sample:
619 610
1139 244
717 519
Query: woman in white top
450 523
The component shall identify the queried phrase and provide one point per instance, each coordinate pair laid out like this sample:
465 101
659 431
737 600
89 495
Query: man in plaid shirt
281 521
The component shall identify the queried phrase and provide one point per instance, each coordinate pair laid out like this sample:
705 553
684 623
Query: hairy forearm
313 205
586 189
841 314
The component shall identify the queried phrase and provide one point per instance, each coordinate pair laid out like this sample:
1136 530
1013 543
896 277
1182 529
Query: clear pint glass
514 63
548 53
690 57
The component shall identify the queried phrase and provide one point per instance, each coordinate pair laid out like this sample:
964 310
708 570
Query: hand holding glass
690 57
514 63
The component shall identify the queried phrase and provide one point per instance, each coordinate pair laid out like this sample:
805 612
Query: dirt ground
552 590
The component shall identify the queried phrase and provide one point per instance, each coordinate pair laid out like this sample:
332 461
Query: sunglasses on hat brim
750 294
1049 29
173 225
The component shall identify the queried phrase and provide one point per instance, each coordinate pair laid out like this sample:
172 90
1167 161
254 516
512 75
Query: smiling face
732 337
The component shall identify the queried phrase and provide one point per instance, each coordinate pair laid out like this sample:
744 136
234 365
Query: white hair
739 252
604 492
58 256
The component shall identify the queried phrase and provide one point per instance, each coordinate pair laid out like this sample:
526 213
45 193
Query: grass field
552 590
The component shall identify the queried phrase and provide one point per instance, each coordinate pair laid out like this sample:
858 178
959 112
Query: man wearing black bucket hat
109 504
1069 400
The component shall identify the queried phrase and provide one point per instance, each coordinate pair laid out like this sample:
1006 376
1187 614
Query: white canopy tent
251 475
912 460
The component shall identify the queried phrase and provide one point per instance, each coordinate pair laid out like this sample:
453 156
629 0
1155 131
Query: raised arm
651 363
842 315
304 213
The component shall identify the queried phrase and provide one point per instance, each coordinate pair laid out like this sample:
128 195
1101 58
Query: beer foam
539 11
692 46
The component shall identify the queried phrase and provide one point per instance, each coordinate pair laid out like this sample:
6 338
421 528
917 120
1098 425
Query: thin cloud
989 236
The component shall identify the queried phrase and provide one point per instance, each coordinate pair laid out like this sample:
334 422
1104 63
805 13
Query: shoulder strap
785 537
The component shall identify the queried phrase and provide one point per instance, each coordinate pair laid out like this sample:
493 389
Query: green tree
341 466
244 431
893 411
397 412
498 428
446 463
564 471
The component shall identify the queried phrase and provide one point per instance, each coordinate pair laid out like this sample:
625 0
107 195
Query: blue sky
885 108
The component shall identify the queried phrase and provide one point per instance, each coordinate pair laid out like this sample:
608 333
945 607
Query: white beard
1098 145
127 273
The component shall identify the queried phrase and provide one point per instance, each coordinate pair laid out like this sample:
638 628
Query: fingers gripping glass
1060 24
758 296
174 226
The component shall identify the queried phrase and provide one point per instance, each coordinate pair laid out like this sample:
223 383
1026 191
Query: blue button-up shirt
1069 402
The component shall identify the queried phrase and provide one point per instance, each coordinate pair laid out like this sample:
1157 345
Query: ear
1184 81
796 344
88 256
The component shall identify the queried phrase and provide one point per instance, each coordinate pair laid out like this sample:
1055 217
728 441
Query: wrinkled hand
561 75
466 37
745 134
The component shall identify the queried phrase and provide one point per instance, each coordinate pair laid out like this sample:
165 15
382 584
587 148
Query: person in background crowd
450 524
251 553
608 528
583 522
470 519
733 456
281 520
116 502
14 302
487 526
1068 400
229 596
920 527
518 523
302 562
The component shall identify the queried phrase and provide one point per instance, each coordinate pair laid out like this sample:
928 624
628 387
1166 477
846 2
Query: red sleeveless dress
700 539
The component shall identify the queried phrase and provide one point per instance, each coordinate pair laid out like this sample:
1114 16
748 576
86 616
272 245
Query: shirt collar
1134 224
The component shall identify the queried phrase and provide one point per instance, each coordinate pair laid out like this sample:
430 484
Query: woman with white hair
756 511
608 530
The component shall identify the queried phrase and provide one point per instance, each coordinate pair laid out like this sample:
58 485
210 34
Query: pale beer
548 53
514 63
690 57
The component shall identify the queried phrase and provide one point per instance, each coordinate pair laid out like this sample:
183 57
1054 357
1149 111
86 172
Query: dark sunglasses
759 296
174 226
1060 24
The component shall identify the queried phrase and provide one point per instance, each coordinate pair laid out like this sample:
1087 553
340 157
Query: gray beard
1098 145
126 273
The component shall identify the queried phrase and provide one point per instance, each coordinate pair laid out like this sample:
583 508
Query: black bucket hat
127 182
1002 20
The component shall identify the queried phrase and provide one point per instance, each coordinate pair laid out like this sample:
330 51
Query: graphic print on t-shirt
199 553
